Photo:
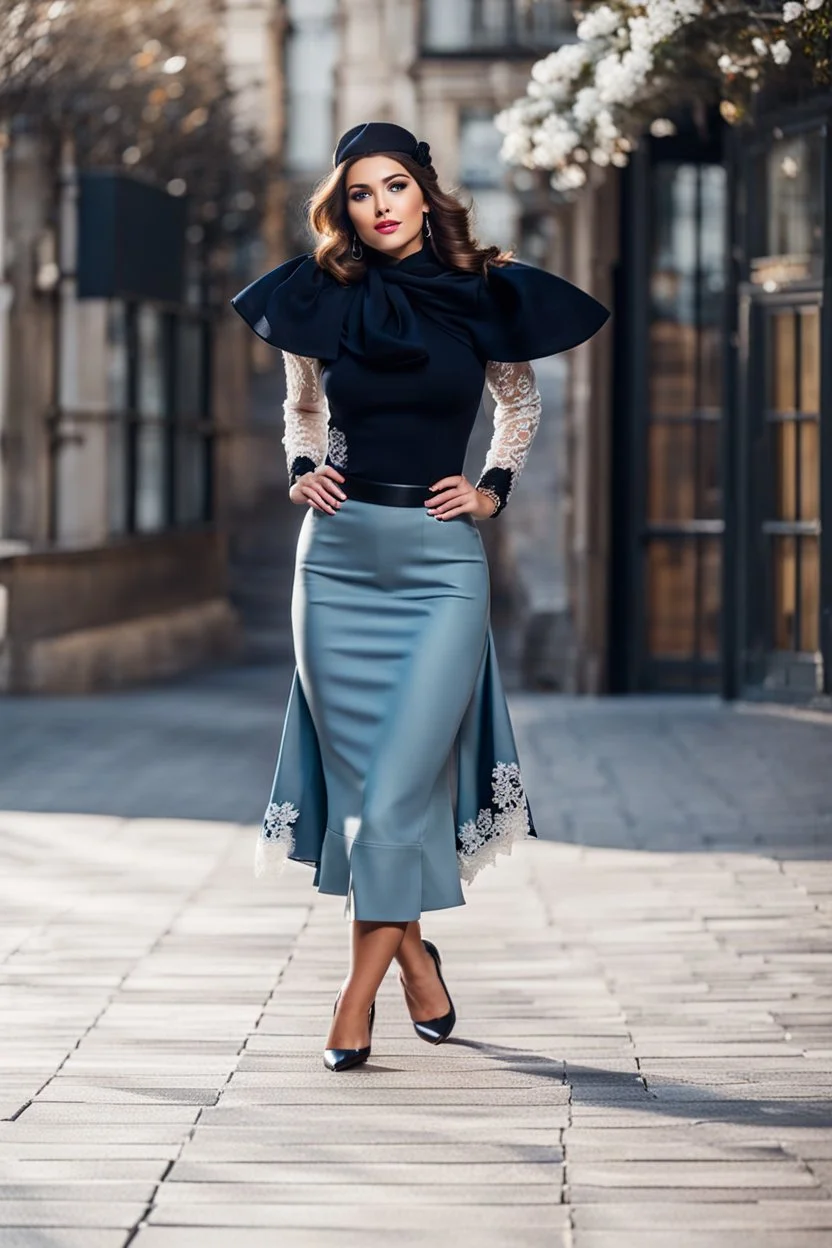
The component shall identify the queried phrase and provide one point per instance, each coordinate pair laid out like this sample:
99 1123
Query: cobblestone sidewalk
643 1057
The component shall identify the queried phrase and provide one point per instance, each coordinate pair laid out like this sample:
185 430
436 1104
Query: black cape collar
519 312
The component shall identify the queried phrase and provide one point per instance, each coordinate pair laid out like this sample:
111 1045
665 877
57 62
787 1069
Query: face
380 190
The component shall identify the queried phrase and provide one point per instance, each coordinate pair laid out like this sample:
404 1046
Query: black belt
385 492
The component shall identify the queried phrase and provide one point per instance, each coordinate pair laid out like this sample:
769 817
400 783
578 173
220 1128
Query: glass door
681 512
789 370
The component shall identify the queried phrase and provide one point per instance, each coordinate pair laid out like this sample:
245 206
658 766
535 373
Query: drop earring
428 231
356 250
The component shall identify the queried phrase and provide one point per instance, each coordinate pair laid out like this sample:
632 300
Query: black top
404 350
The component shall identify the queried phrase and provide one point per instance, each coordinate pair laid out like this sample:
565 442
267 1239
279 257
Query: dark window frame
518 37
632 667
172 421
757 669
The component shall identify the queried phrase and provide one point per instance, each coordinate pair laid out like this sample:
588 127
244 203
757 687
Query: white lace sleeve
305 415
516 417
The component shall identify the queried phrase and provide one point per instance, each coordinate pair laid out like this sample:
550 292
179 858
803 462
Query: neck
392 257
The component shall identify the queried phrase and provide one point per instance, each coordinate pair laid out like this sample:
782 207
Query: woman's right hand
319 489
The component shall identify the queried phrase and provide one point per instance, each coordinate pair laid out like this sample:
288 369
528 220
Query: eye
357 195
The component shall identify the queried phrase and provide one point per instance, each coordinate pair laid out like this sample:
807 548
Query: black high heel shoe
437 1029
344 1059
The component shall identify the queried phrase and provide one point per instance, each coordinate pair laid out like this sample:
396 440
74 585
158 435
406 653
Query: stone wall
108 616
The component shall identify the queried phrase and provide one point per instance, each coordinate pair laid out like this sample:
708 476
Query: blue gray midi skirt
397 774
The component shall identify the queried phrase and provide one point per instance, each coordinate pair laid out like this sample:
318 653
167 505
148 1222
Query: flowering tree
636 60
140 85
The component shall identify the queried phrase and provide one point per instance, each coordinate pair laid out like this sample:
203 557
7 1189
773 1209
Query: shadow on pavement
627 1092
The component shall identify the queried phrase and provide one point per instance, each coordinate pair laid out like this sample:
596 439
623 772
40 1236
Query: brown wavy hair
450 222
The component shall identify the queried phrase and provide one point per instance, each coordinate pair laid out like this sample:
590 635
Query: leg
374 946
423 991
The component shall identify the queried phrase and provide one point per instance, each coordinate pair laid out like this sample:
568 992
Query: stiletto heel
344 1059
437 1029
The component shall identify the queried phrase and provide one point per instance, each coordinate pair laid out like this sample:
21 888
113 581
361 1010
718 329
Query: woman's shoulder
297 306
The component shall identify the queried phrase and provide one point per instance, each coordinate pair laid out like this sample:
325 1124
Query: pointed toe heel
345 1059
435 1030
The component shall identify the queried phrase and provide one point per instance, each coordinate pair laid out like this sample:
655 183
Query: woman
397 774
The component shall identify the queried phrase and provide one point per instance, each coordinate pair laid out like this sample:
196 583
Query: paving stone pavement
643 1057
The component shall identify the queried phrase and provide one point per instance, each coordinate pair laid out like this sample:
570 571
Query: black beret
380 136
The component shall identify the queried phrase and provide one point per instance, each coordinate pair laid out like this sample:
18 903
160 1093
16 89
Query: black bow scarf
518 312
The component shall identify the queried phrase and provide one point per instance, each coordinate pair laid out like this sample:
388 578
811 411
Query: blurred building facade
714 463
125 447
112 563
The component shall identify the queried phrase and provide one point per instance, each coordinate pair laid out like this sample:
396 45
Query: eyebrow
366 186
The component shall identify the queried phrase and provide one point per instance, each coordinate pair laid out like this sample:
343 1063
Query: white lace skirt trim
276 840
495 830
497 827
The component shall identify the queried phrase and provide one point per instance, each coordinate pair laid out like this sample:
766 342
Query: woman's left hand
455 496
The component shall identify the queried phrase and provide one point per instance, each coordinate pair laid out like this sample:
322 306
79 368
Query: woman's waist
416 463
387 493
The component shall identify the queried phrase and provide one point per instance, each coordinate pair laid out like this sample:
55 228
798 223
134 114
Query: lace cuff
305 415
516 418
